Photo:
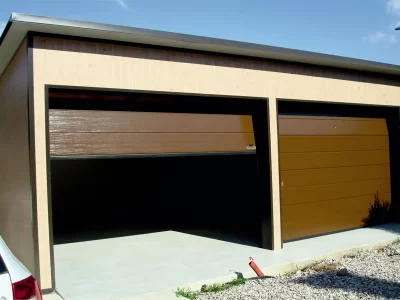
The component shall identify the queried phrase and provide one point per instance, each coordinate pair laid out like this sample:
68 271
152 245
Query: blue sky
355 28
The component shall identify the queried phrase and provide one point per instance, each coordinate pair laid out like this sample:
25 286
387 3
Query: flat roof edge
194 42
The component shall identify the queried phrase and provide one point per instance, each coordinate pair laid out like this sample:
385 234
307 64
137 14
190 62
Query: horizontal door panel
67 144
69 121
317 160
308 194
327 216
300 144
312 177
330 126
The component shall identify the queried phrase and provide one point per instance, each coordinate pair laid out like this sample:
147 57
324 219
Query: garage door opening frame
259 108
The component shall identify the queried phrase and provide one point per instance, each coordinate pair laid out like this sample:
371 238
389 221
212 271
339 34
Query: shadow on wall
378 213
361 284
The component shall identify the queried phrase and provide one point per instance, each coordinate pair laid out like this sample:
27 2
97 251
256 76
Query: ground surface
372 275
132 267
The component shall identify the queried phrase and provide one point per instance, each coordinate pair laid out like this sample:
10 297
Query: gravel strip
371 275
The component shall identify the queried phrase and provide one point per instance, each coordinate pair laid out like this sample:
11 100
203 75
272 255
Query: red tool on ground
255 268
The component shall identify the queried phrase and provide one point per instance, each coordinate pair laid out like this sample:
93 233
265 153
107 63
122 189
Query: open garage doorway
129 168
206 195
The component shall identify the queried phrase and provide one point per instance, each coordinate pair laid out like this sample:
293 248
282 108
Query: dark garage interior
213 196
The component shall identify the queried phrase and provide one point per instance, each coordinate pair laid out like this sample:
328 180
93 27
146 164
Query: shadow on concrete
389 227
355 283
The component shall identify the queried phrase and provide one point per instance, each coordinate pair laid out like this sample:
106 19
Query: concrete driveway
153 265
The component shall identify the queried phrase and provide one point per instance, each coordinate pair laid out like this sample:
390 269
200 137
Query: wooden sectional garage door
330 167
95 132
330 170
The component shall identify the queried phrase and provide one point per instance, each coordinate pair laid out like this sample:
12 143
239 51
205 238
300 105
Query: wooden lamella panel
17 208
93 132
331 168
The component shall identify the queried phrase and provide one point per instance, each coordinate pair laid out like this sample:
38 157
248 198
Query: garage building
98 120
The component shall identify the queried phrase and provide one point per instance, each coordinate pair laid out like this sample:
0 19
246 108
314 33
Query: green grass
187 293
213 288
238 281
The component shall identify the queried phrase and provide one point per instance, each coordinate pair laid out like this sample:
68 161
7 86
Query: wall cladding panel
16 215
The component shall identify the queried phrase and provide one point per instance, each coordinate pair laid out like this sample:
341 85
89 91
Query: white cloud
388 35
393 6
393 25
377 37
122 4
380 36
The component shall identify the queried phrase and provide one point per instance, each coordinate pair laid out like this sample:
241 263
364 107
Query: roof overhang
20 24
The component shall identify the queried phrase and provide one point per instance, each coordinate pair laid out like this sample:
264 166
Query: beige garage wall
78 63
16 218
130 67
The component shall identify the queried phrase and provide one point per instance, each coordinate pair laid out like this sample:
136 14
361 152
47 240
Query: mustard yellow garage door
331 168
